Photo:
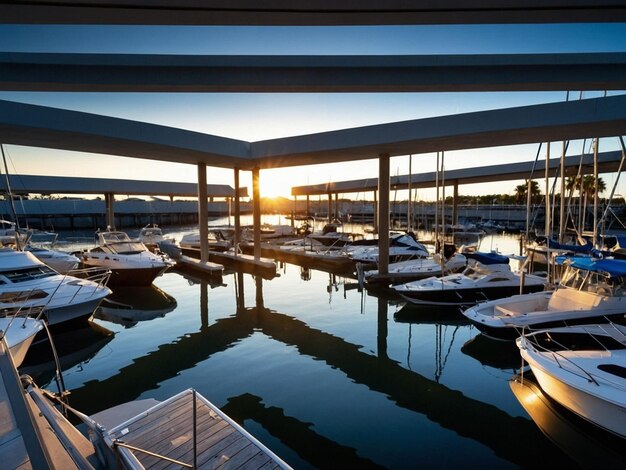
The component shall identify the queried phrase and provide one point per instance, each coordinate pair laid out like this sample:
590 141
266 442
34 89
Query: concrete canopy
607 162
75 185
310 12
23 124
430 73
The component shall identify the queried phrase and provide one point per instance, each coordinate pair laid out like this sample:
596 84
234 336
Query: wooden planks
167 430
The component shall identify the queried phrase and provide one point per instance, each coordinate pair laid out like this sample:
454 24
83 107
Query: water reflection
493 353
74 347
129 305
588 445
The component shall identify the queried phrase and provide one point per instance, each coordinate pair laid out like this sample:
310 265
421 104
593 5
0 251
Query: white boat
8 233
583 368
217 239
269 232
590 290
151 235
26 282
402 247
19 333
487 276
330 235
60 261
129 261
415 269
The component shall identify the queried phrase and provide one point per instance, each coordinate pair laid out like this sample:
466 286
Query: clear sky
262 116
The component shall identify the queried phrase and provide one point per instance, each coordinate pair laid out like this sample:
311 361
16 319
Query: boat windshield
124 248
589 281
27 274
475 272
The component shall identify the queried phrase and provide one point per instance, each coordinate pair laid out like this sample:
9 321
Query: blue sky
263 116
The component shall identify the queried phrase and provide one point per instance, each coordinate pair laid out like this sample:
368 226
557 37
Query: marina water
326 375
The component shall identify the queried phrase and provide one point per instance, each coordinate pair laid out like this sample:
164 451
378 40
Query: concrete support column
109 199
330 207
256 213
375 213
237 238
308 206
203 218
383 213
455 203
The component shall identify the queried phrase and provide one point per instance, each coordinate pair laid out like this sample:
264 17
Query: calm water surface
324 375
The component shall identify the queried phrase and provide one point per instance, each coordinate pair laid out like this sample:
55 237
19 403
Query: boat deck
167 430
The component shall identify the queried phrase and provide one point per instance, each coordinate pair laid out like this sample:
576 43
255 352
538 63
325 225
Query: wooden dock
168 430
263 267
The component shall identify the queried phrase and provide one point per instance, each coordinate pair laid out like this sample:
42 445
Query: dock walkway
167 429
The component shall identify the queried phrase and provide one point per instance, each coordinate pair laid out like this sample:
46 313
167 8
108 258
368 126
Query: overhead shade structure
311 12
24 124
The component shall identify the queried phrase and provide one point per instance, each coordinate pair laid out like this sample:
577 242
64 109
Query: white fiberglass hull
575 394
19 334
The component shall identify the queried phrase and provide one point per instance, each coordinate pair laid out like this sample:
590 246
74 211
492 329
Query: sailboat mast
595 192
10 195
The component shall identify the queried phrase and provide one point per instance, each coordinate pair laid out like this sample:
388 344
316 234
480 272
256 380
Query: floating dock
264 267
167 430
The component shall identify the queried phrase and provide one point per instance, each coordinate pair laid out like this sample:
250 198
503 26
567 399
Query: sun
275 184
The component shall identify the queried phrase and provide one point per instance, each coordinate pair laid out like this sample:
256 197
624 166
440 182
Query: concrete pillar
383 213
308 206
455 203
256 213
375 213
237 238
203 218
330 207
109 199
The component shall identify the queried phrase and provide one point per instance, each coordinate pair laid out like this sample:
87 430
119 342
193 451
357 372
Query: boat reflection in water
129 305
493 353
588 445
74 347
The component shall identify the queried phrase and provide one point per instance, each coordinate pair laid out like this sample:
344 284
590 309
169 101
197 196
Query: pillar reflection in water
204 305
382 328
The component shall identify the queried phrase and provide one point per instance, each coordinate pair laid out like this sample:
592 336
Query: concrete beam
23 124
608 162
24 184
430 73
311 12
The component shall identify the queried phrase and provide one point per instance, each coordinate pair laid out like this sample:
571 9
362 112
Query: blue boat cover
614 267
573 248
487 258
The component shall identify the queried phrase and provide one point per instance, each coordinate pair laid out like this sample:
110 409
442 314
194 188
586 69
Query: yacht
415 269
590 290
129 261
582 368
26 282
151 235
219 239
60 261
402 247
487 276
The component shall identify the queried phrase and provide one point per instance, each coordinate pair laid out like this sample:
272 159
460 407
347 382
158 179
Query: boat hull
603 413
464 297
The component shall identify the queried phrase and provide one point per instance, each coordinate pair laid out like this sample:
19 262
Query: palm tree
521 192
588 186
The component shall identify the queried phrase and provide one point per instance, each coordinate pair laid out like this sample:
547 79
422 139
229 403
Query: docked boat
26 282
590 290
268 231
415 269
487 276
129 261
19 332
402 247
151 235
582 367
331 235
60 261
216 239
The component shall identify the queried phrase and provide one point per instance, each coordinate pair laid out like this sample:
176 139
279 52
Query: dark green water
324 375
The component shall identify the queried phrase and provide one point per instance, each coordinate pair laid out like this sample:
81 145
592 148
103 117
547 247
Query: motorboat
331 235
487 276
415 269
590 290
9 233
19 332
129 261
268 231
26 282
151 235
60 261
402 247
582 367
216 239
